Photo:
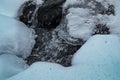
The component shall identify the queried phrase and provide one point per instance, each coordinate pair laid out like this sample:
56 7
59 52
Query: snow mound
15 37
10 65
98 59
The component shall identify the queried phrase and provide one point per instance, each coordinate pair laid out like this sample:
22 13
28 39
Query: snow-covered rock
98 59
15 37
10 65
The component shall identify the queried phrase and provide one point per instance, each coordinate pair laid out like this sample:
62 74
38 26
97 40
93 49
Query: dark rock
49 15
26 12
101 29
48 18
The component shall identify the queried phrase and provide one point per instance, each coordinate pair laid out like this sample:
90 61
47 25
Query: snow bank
10 65
98 59
10 8
15 37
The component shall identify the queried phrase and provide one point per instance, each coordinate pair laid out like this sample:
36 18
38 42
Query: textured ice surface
15 37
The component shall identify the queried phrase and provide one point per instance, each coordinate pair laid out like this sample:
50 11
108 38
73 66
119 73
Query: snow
72 2
80 23
10 65
15 37
114 22
10 8
39 2
98 59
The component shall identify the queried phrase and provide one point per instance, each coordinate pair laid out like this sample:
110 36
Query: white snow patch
10 65
98 59
15 37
